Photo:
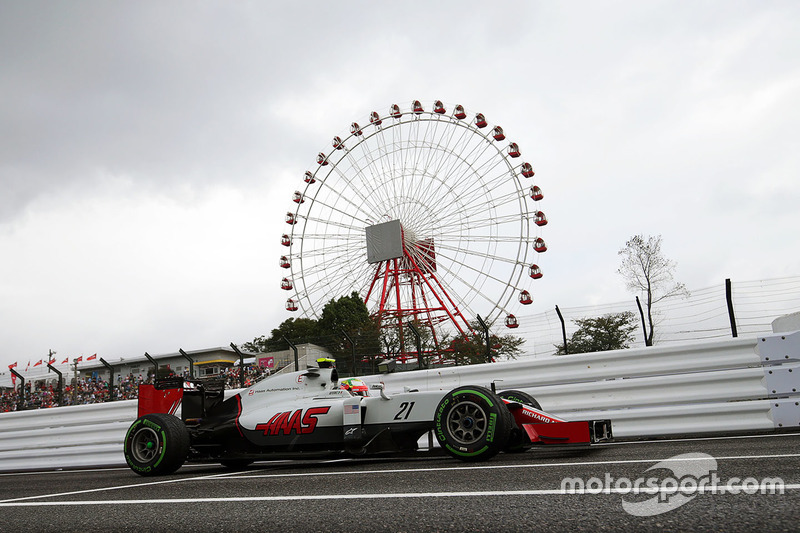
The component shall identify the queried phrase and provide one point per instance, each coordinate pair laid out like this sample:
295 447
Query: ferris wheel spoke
513 195
474 290
356 191
477 254
371 156
454 147
480 208
481 220
362 160
445 181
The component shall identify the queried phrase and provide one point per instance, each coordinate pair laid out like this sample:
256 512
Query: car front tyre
472 423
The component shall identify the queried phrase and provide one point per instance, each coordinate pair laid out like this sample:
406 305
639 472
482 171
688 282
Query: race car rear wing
195 397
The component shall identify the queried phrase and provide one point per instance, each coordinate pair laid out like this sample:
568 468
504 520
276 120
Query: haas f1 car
308 413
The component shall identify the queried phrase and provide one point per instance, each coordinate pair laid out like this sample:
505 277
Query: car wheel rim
467 423
144 446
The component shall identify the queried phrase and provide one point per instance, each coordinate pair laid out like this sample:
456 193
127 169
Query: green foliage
297 330
470 349
349 316
608 332
348 313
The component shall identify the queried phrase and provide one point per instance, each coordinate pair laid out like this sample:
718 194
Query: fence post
191 362
294 348
486 334
20 402
155 365
110 378
729 298
563 330
644 326
241 365
352 349
419 344
60 383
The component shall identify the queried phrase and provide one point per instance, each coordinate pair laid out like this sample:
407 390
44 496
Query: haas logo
295 422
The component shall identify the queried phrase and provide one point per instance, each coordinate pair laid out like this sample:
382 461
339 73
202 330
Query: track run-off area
734 483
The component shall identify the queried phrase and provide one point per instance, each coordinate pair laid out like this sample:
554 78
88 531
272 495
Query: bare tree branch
648 272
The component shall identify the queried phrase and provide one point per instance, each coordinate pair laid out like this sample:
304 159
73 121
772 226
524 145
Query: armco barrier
735 385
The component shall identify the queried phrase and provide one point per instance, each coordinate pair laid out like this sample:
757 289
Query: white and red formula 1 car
305 413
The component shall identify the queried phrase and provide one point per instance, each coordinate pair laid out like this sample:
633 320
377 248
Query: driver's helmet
356 386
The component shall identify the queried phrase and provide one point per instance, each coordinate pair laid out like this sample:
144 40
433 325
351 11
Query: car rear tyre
156 444
519 441
472 423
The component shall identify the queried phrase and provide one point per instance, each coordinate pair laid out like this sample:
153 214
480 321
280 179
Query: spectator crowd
42 394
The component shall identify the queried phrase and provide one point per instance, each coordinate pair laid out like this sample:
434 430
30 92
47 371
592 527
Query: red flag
91 357
51 361
65 361
79 359
29 365
13 365
37 363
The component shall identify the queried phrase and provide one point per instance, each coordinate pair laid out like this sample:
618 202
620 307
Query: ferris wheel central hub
384 241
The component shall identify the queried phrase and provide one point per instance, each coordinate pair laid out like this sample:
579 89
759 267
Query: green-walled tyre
156 444
472 423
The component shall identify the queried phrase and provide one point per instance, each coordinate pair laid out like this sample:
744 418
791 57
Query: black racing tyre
472 423
519 442
156 444
520 397
236 464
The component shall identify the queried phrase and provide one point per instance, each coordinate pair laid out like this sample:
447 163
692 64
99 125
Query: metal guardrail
736 385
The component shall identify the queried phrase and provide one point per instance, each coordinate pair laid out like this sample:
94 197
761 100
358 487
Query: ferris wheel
428 212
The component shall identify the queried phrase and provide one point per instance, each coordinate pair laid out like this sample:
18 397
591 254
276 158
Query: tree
390 338
471 348
647 271
349 314
297 330
607 332
345 315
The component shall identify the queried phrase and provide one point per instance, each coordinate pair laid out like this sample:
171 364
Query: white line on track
394 496
249 475
541 465
694 439
118 487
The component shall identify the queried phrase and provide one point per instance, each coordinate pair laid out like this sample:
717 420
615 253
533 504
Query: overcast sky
149 150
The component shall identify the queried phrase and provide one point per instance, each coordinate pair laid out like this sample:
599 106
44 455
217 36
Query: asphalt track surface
432 492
